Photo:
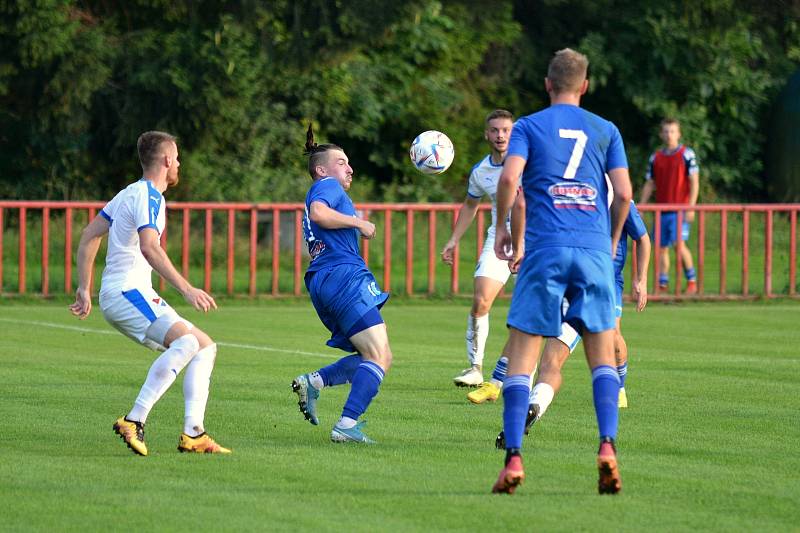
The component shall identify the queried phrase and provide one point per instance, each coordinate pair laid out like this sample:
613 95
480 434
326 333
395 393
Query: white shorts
569 336
489 266
140 314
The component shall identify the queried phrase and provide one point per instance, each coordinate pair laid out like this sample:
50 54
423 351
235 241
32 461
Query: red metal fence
711 239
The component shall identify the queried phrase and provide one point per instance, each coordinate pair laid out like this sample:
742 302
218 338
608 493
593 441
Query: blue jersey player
562 154
344 293
555 354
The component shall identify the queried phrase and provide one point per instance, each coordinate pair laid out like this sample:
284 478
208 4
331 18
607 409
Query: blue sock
516 390
605 386
663 279
500 368
690 273
340 372
622 372
366 381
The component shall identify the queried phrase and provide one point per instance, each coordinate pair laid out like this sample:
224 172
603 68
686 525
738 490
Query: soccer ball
432 152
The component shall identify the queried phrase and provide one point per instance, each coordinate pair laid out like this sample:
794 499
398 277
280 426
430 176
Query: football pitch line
255 347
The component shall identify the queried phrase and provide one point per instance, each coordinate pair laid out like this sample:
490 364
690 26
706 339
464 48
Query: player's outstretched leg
307 395
308 386
609 481
132 433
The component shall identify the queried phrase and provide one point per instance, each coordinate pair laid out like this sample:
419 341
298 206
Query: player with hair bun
344 293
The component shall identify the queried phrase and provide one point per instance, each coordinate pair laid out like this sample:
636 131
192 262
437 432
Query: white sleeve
109 211
145 206
474 188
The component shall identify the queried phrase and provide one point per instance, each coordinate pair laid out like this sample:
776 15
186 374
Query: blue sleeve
615 155
518 143
327 191
147 204
634 225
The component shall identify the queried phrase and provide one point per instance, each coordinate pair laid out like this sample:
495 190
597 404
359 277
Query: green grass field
709 441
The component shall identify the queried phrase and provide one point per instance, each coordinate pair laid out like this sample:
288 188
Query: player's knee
481 305
203 339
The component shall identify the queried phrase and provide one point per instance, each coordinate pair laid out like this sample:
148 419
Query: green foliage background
239 81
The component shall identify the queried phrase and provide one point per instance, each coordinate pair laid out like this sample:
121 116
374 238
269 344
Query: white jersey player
134 220
491 273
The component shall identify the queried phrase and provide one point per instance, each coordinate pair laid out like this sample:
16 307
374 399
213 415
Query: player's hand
83 303
367 229
200 299
690 216
448 252
502 243
516 260
640 293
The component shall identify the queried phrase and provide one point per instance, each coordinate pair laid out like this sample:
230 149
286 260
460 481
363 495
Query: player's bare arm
621 205
517 232
155 255
328 218
647 191
639 283
466 214
506 193
91 237
694 191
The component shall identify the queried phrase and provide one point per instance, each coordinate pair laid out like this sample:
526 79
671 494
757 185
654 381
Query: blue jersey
568 151
634 228
328 247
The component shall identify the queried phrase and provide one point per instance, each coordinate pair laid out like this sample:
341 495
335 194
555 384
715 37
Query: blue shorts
618 286
669 225
342 295
548 275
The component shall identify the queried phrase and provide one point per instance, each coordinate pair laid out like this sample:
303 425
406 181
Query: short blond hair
567 70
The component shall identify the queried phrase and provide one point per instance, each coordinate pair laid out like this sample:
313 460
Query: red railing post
723 252
67 250
298 251
454 270
231 247
92 214
409 252
793 253
701 250
46 251
745 252
23 215
656 250
276 249
365 242
768 254
207 252
185 243
431 251
253 250
387 251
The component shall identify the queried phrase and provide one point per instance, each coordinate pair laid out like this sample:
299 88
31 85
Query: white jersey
483 181
134 208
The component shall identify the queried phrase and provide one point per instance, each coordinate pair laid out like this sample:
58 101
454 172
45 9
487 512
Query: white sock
196 382
346 422
542 395
316 380
162 375
477 333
